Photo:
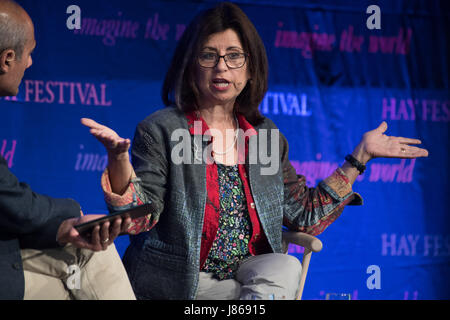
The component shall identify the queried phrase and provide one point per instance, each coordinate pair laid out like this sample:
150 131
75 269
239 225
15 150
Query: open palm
376 144
114 144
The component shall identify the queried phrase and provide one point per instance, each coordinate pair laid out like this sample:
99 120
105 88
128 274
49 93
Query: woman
216 232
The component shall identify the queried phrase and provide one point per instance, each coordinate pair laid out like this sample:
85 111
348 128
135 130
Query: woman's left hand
375 144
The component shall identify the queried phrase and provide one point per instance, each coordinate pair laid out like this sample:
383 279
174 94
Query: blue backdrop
331 79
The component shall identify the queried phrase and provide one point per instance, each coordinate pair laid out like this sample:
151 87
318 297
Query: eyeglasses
233 60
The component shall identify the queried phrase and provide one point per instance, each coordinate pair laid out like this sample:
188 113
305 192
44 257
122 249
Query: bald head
16 45
16 27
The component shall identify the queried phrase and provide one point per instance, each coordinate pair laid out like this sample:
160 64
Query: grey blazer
164 262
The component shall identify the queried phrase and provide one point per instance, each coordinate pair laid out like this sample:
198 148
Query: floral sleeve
312 210
130 198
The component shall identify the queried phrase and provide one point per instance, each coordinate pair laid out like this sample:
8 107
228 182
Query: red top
258 243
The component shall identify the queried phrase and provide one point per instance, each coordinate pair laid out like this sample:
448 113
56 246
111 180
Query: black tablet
133 213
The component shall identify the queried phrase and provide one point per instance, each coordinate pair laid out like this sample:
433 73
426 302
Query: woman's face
221 84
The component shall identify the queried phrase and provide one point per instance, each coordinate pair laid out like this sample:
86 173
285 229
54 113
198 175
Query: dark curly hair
179 86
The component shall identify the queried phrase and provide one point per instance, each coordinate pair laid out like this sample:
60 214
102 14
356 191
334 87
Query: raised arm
375 144
311 210
121 187
119 166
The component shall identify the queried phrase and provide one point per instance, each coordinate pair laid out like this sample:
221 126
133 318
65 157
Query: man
39 246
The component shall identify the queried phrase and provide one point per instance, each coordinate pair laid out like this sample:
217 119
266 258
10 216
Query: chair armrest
303 239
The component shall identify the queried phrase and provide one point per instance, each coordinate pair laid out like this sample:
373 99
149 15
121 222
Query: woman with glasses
203 161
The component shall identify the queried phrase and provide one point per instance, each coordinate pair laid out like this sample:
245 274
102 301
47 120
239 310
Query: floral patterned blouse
230 245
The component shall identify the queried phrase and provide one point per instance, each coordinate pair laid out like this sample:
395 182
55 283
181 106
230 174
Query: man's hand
101 237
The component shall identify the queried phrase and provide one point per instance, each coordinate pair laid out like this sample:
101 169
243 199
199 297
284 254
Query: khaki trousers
71 273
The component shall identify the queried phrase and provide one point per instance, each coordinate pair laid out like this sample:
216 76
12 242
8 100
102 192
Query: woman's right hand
119 167
116 146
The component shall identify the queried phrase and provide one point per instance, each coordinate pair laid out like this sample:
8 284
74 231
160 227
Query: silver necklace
234 140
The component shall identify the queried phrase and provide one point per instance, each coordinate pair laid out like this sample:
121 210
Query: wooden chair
307 241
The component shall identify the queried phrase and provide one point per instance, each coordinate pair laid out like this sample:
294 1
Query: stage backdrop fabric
331 79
